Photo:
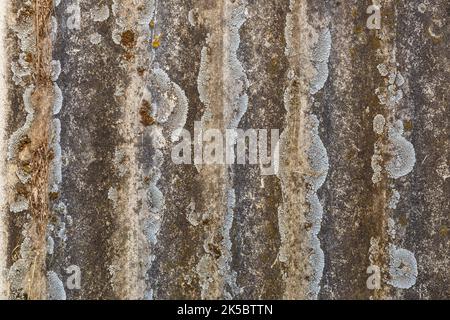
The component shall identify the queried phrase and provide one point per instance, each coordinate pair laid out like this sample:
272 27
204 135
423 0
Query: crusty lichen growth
38 156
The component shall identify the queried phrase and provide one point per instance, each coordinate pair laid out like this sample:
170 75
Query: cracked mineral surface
229 149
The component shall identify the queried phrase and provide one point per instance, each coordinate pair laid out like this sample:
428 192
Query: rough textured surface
94 97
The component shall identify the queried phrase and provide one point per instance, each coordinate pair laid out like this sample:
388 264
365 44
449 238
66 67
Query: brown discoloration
43 10
128 39
144 112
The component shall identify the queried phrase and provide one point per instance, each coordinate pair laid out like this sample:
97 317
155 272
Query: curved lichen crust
236 78
319 166
304 161
394 157
18 135
155 198
320 58
55 287
378 124
402 268
17 274
169 109
57 228
231 288
154 201
216 275
23 29
237 104
170 104
56 165
403 156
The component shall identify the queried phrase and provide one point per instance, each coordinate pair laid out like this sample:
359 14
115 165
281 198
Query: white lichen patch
155 198
55 287
378 124
20 205
50 245
54 29
113 195
95 38
236 82
74 19
395 198
16 137
231 289
317 155
117 36
58 99
170 105
402 268
61 231
399 80
320 58
56 165
18 271
191 17
391 228
403 154
214 270
56 70
193 216
23 29
392 94
100 14
319 165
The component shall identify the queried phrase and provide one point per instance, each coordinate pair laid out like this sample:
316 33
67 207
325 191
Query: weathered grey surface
362 178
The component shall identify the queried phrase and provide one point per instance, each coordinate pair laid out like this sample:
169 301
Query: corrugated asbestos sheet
200 149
